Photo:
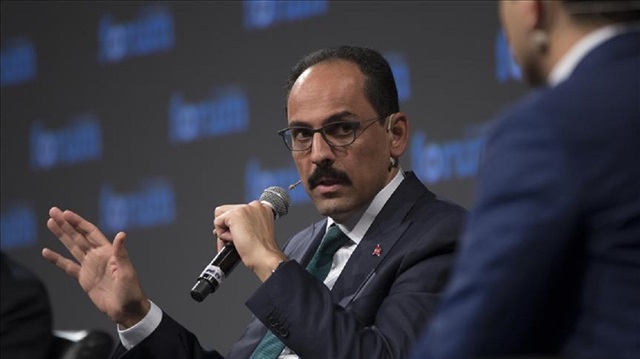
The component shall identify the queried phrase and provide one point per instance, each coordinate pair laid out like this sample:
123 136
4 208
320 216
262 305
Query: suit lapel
384 233
303 250
360 270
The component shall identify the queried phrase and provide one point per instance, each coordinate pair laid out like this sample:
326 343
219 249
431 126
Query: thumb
119 250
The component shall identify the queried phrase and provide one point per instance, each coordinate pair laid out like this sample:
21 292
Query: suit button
273 322
283 332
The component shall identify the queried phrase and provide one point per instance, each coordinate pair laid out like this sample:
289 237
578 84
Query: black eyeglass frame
354 124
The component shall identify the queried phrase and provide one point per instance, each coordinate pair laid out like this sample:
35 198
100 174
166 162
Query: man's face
340 181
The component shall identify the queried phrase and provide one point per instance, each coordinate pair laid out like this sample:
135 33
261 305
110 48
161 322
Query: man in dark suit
395 239
25 313
550 262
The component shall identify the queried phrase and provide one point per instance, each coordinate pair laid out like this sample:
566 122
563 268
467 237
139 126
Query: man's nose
320 149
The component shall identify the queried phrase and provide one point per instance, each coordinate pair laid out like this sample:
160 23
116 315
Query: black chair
81 344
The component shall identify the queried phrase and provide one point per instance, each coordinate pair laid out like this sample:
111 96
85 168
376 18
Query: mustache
327 173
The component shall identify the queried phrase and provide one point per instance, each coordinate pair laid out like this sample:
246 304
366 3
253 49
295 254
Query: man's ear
398 132
532 13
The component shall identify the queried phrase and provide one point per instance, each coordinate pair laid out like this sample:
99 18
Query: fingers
68 266
85 228
76 251
220 243
225 208
220 228
76 233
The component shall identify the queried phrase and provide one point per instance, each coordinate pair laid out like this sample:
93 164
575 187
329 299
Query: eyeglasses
336 134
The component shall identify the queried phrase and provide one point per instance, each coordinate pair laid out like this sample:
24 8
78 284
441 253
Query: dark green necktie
270 347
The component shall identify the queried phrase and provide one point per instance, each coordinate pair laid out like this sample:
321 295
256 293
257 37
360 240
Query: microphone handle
215 273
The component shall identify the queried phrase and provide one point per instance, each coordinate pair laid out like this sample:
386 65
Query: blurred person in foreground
25 313
395 239
550 260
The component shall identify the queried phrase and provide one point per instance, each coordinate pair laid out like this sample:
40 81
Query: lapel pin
377 251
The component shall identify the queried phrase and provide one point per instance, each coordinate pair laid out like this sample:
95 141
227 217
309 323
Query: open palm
102 268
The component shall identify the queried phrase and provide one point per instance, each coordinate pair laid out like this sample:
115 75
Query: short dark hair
610 11
379 86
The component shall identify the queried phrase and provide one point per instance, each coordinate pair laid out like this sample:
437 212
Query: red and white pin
377 251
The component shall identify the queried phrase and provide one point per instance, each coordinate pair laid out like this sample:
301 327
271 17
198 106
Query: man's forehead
340 116
327 92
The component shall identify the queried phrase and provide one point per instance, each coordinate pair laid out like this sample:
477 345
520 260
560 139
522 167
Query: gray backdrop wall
145 116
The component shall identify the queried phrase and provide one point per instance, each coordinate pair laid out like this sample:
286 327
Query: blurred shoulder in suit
550 261
26 322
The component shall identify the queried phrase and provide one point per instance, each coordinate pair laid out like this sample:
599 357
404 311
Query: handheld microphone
226 260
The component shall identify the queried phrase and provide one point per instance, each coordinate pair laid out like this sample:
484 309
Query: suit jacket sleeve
169 341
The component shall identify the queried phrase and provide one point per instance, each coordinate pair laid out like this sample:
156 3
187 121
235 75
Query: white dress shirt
567 63
355 229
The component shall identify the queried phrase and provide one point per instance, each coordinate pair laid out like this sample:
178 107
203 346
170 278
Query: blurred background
144 116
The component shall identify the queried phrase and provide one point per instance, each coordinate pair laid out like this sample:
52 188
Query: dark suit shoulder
429 209
600 87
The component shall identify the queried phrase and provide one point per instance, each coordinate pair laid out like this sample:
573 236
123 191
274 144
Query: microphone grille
278 199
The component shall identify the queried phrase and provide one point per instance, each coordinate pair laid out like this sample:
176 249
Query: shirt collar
356 228
567 63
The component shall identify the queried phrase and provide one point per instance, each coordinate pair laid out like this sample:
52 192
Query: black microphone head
278 199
